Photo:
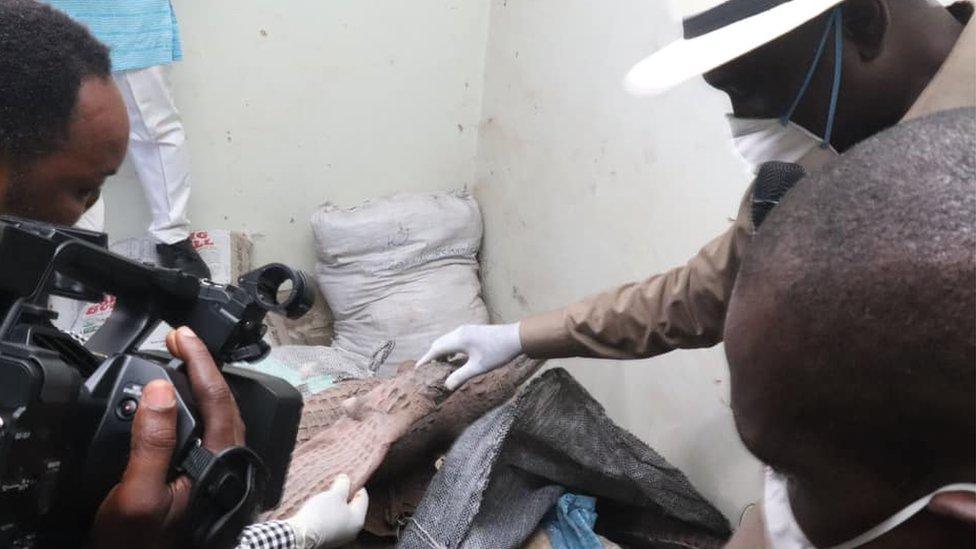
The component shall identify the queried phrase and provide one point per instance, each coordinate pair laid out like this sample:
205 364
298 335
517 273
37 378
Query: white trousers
158 152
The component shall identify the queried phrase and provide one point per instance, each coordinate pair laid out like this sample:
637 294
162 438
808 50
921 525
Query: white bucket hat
716 32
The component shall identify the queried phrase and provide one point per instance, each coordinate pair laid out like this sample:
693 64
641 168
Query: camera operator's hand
143 510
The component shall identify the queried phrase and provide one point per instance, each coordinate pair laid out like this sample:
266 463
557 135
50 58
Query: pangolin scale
375 429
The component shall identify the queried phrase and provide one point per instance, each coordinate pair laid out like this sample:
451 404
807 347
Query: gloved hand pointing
487 348
329 519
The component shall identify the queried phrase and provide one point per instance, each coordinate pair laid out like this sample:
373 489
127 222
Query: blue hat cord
835 22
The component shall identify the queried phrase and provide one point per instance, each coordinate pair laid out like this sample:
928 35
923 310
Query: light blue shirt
139 33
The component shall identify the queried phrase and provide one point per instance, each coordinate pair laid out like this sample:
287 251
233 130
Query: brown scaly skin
322 410
393 501
356 443
432 435
410 416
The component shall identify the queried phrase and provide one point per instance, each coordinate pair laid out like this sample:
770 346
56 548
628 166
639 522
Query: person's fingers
171 343
222 422
153 439
136 508
430 355
180 491
464 373
340 487
443 345
359 505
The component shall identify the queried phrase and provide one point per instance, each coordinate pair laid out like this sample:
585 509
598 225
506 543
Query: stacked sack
402 268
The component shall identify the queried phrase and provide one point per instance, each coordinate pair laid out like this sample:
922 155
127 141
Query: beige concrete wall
584 187
291 103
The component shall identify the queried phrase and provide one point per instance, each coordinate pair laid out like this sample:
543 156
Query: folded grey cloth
510 467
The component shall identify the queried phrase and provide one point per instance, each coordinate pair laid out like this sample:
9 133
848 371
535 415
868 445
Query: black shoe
182 256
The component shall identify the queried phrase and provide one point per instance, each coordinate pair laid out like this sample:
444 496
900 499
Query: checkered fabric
273 534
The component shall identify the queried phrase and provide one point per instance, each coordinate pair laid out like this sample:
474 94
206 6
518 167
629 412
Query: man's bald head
851 334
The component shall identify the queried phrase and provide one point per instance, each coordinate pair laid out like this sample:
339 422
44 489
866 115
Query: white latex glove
487 347
329 519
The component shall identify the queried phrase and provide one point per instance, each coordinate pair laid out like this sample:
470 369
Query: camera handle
227 491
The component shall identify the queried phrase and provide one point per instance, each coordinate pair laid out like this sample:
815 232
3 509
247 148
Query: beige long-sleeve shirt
685 307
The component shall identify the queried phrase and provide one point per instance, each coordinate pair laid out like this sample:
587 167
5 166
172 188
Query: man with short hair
63 126
63 130
851 341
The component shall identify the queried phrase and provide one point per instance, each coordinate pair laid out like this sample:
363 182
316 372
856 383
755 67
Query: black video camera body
66 408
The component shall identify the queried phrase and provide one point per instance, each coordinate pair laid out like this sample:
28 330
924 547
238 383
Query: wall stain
517 296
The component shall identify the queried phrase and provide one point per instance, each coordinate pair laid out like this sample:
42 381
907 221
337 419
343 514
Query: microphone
773 180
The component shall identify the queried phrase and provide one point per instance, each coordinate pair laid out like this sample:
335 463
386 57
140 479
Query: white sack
401 268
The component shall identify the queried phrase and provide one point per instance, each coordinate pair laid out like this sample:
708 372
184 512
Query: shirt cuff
546 336
273 534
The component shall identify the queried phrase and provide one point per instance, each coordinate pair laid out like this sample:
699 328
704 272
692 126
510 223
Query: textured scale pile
374 430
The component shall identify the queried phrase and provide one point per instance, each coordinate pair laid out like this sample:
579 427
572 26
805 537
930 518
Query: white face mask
760 140
783 532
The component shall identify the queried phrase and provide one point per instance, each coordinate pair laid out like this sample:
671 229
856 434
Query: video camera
66 408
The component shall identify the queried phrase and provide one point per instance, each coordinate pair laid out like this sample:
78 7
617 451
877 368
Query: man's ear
866 24
958 505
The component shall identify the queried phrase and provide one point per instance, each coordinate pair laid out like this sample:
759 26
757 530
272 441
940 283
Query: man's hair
871 264
44 57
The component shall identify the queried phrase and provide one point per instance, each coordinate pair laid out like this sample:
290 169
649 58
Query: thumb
359 506
340 487
463 374
153 439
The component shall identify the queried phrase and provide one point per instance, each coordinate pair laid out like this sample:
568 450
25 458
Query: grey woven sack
509 468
